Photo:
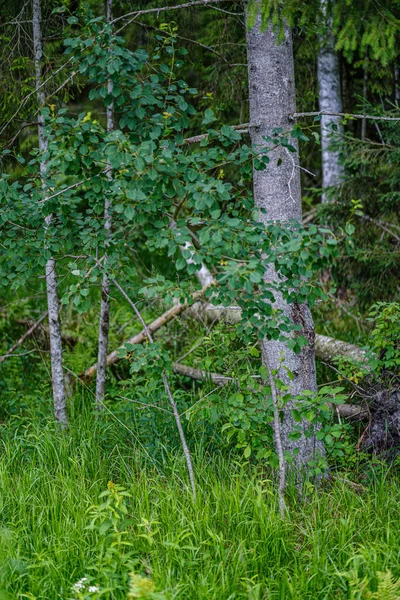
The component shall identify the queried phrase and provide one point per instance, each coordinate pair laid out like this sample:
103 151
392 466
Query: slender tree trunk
277 190
365 92
330 99
57 374
397 84
104 325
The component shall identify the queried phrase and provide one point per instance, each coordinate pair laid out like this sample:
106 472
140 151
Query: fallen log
200 375
344 410
327 348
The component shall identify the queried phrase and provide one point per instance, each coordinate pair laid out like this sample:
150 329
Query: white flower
93 588
80 585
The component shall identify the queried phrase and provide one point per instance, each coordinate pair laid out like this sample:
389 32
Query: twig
25 100
145 405
141 337
379 133
22 353
381 225
244 127
357 387
167 389
146 11
24 337
72 186
195 42
241 128
10 142
278 440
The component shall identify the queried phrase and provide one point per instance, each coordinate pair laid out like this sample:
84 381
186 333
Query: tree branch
242 128
24 337
339 114
147 11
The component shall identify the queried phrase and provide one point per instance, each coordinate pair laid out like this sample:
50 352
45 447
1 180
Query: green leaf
104 527
247 451
255 277
209 117
129 212
296 415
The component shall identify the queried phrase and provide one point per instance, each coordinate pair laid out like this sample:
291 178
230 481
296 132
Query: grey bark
327 348
365 91
57 374
397 84
330 100
277 190
104 323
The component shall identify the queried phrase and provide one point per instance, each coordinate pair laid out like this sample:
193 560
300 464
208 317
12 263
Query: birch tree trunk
57 374
277 190
104 324
330 99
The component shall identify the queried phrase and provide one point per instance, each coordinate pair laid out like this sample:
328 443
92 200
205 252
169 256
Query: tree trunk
330 99
277 190
365 92
57 374
397 84
104 325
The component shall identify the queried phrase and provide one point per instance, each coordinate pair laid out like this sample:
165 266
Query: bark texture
330 99
104 324
277 191
327 348
57 374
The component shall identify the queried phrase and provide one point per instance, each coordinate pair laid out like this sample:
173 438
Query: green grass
230 544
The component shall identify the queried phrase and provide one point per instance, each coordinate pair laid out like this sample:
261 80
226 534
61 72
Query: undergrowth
146 538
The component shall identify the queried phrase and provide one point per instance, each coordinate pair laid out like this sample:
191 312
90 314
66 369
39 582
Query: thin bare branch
167 389
339 114
242 128
24 337
147 11
33 92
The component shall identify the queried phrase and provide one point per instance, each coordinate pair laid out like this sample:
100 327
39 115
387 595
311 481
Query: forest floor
230 543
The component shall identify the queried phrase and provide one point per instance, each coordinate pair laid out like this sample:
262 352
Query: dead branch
241 128
24 337
199 375
347 115
147 11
